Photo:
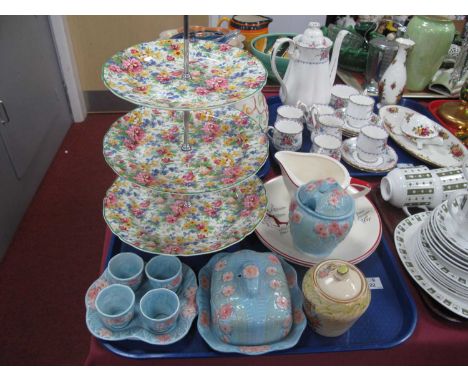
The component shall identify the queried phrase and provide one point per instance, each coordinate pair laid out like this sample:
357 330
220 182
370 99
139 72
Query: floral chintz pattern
175 224
144 146
151 74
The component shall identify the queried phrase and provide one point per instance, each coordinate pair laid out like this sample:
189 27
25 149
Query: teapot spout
336 54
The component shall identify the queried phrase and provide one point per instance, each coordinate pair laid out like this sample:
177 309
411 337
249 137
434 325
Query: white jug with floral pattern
310 74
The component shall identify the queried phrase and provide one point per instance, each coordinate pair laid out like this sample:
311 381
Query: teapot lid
326 197
313 37
339 280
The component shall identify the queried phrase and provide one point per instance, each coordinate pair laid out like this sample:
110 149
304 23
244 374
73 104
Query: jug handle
360 184
277 45
222 20
336 55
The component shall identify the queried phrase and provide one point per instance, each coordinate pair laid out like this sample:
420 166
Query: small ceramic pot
340 95
115 306
159 310
164 272
320 216
359 110
371 143
286 135
336 296
327 145
126 268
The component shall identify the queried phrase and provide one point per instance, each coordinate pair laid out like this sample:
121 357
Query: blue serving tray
390 319
403 157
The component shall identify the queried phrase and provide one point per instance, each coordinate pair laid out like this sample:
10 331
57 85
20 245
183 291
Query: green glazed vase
432 36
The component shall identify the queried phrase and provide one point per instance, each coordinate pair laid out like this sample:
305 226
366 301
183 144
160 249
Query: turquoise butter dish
249 303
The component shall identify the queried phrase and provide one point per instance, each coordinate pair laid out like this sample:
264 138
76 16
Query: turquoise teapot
321 215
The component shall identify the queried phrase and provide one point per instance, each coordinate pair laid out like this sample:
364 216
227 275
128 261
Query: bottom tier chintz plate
184 225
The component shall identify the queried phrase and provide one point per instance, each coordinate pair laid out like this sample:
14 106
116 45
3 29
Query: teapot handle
277 45
336 55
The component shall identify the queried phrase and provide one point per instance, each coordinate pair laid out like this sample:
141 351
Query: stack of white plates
436 255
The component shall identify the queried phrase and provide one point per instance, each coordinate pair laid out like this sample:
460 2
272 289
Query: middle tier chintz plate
184 225
144 146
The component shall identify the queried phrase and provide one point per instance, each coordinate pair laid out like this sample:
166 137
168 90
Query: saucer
135 330
273 231
216 343
386 162
351 131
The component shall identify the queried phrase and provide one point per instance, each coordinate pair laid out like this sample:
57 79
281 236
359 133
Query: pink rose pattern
235 75
250 272
132 147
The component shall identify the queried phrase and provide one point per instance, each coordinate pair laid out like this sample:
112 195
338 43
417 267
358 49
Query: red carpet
55 255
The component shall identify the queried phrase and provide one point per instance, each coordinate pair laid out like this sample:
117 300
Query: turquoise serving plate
209 331
135 330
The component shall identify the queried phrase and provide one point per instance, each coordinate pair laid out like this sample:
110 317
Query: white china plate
439 245
152 74
442 270
431 272
451 153
405 239
144 146
211 338
183 225
386 162
135 330
447 226
273 231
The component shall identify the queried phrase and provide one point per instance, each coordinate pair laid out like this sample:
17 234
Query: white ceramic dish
405 241
273 231
386 162
450 153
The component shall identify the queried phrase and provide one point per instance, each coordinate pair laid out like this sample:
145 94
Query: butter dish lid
339 280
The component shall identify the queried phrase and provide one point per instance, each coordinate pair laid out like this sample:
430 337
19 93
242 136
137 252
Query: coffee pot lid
339 280
313 37
326 197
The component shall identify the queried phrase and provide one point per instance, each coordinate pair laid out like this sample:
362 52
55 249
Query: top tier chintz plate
151 74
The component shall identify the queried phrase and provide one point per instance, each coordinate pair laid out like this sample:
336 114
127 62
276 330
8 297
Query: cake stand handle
186 146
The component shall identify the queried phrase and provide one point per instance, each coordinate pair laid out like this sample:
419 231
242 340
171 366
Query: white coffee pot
310 74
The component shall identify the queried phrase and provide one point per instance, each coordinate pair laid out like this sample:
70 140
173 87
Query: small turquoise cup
159 310
164 272
126 268
115 306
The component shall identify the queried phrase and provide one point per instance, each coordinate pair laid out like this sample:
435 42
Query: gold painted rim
368 169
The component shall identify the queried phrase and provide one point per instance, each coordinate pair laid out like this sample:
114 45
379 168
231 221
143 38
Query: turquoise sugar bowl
250 299
321 214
